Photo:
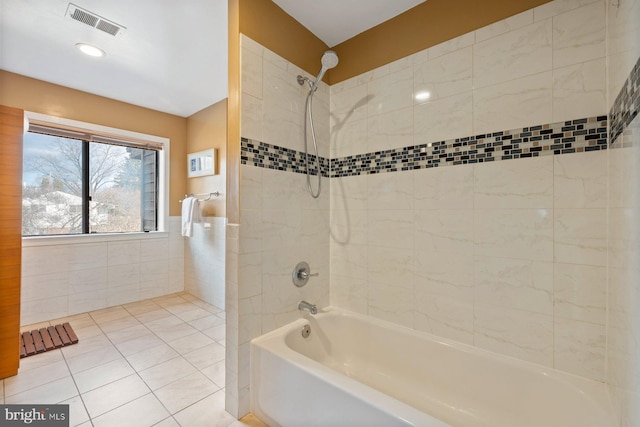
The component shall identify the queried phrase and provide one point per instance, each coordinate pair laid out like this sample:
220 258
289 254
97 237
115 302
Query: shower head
329 60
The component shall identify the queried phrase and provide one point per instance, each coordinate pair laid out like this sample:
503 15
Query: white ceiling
172 57
334 21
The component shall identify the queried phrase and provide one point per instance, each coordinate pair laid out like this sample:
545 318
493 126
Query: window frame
163 183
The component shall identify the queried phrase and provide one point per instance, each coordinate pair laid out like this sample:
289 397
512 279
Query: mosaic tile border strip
270 156
573 136
627 104
630 136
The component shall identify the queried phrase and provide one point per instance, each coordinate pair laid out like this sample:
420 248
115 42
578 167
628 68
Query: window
77 181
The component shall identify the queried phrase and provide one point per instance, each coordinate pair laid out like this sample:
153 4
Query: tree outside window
67 192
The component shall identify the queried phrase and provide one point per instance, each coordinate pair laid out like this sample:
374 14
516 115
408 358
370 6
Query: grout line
179 355
137 373
192 302
76 386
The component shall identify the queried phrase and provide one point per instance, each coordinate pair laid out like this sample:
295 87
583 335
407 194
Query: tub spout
303 305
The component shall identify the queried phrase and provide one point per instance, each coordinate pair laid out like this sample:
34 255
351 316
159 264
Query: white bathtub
354 370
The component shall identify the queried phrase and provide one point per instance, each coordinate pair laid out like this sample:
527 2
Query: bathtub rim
275 342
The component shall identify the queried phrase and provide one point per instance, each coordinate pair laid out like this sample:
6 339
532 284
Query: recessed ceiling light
87 49
423 96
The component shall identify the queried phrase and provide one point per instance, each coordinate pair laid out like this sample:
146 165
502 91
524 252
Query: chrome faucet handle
305 275
301 273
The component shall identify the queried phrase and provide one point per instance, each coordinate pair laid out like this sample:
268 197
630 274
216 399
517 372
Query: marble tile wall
623 326
489 254
273 102
204 261
623 44
60 280
544 65
280 223
232 391
507 256
627 104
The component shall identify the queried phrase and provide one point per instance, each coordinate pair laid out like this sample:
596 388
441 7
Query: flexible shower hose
309 113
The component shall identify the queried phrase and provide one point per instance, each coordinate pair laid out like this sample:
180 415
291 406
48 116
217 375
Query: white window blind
65 131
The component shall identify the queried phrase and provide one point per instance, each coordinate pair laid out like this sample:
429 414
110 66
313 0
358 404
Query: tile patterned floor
157 362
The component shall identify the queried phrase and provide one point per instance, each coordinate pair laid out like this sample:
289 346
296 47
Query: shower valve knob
301 273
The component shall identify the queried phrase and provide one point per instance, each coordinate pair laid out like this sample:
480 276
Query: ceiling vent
96 21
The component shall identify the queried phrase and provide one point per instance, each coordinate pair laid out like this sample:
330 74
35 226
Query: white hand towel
190 214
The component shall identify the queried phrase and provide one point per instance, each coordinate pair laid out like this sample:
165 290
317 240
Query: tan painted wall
207 129
264 22
423 26
59 101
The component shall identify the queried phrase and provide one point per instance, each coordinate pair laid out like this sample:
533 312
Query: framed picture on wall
201 163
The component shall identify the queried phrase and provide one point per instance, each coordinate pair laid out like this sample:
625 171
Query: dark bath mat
45 339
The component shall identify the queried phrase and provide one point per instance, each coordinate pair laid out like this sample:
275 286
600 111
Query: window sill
90 238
